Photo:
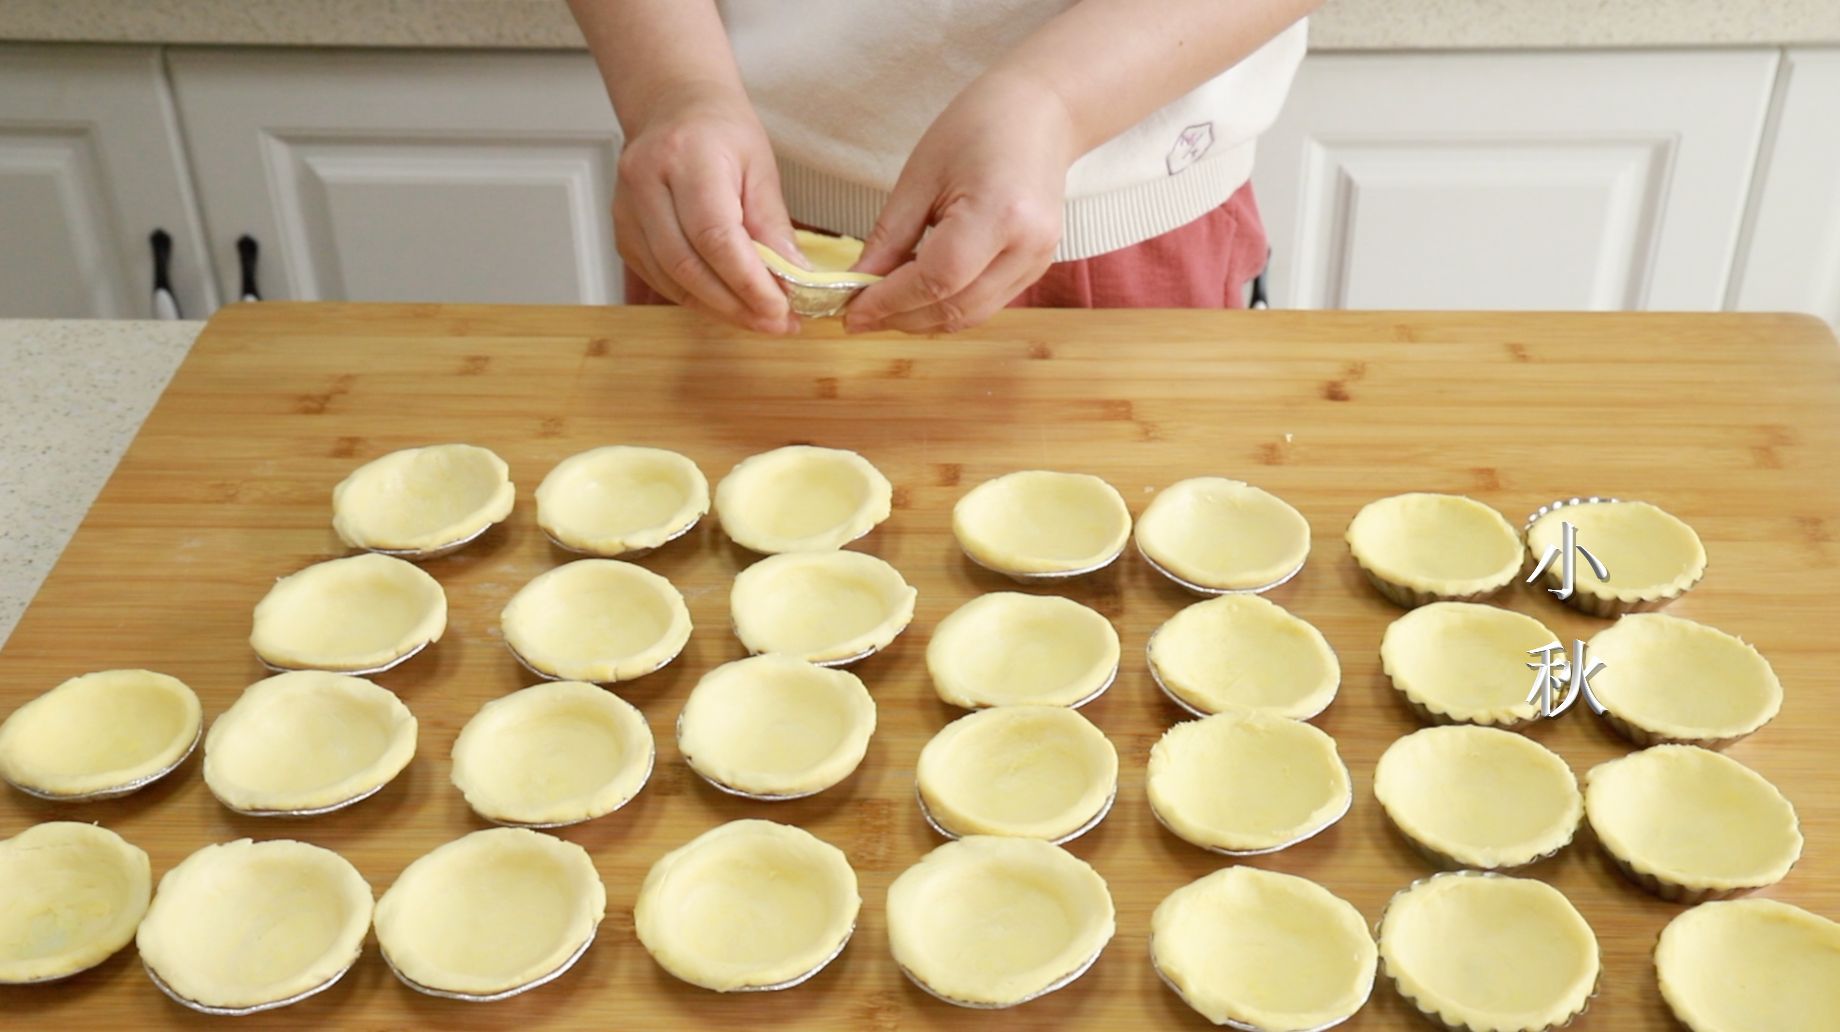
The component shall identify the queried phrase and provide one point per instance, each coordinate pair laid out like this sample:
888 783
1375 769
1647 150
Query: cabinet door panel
1793 261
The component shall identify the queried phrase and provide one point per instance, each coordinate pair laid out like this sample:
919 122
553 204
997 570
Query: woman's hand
985 184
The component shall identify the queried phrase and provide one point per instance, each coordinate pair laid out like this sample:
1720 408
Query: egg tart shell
1464 662
1223 535
1420 548
99 732
822 607
307 740
1652 556
1032 771
1478 797
1038 522
596 620
1246 783
422 499
361 613
1244 653
621 500
1750 964
552 754
802 498
1008 648
71 895
1666 679
773 726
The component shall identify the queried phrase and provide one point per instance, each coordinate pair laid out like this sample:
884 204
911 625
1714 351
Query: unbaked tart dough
1482 952
775 727
1007 648
1039 524
1465 662
1260 949
251 925
491 914
1666 679
1244 653
71 894
1478 797
422 502
596 620
829 608
825 284
100 735
1213 535
307 742
1420 548
553 754
1652 556
1247 783
802 499
1034 771
748 905
1689 824
993 921
1751 964
621 500
359 615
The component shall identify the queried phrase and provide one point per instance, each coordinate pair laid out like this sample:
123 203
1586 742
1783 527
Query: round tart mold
306 743
1477 951
1652 557
773 727
621 501
360 615
823 289
1464 662
423 503
490 915
1032 771
1244 784
100 736
1244 653
71 895
1666 679
1421 548
748 906
596 620
1213 536
828 608
1750 964
1478 797
1038 525
552 755
1259 950
245 926
802 499
1689 824
1007 648
992 921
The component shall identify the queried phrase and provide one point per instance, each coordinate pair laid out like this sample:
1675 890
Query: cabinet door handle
165 304
246 250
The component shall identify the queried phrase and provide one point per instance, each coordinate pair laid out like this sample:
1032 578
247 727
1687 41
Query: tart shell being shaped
1666 679
829 608
621 500
1008 648
1464 662
1247 783
1216 535
307 741
1033 771
775 727
71 894
358 615
100 735
802 499
596 620
1038 523
1751 964
1478 796
1652 557
552 754
420 501
748 905
1243 653
1421 548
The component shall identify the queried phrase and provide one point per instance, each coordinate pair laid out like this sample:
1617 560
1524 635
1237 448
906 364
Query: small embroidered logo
1190 146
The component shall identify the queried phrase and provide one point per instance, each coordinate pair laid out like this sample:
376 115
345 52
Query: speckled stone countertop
1340 25
73 393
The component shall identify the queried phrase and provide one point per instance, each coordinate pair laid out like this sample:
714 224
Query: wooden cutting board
1730 421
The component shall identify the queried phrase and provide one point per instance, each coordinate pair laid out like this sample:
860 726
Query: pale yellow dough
1243 653
1751 964
1034 771
1247 782
99 732
1266 949
1424 547
356 614
421 499
747 905
1007 648
992 921
307 740
70 895
243 923
1650 554
1692 819
830 258
1037 522
1479 796
822 607
1465 662
1223 535
1488 952
775 726
619 499
1676 680
490 911
552 754
597 620
802 499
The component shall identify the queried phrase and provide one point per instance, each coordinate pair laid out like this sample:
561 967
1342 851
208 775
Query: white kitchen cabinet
1791 261
395 176
91 165
1599 180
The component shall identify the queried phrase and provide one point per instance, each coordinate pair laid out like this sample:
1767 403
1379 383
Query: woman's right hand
696 187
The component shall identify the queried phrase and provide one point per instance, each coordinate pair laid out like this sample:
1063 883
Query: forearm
652 53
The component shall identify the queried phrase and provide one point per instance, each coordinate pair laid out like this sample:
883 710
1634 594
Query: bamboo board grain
1732 422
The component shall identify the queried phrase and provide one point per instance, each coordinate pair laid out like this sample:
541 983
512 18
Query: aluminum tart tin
759 797
1211 591
630 553
1304 836
503 994
1191 708
926 813
1584 602
365 672
1059 983
1048 577
311 811
547 676
237 1012
115 791
1245 1026
839 661
420 555
812 299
